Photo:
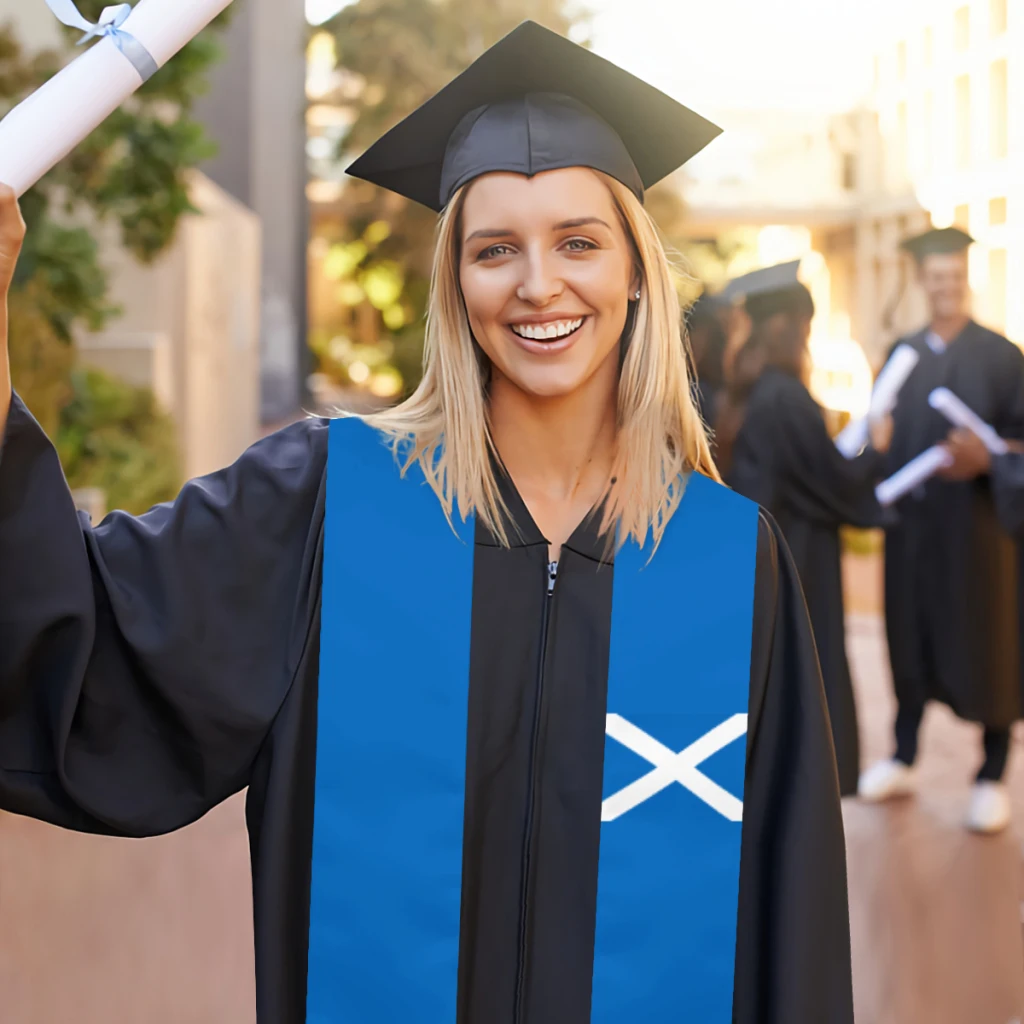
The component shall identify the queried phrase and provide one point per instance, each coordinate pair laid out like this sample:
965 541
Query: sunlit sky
731 54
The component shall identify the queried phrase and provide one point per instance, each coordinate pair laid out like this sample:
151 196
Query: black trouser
997 743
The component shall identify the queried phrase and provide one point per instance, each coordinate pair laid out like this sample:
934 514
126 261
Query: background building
938 140
255 110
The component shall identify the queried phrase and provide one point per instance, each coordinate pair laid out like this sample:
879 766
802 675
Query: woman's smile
549 335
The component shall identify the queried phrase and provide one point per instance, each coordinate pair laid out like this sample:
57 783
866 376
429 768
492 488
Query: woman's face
547 273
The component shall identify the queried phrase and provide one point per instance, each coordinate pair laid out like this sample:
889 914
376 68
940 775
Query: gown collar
523 532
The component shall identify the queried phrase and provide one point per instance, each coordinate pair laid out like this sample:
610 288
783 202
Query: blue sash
678 689
391 752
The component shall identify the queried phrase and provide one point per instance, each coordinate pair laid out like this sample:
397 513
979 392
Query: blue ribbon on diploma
109 25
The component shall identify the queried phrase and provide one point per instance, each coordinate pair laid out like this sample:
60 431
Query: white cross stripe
672 767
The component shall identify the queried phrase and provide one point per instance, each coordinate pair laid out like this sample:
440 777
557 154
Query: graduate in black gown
950 567
480 790
785 459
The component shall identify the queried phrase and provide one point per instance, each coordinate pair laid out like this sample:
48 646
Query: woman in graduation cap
950 569
526 702
784 458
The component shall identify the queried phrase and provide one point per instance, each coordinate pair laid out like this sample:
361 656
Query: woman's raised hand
12 232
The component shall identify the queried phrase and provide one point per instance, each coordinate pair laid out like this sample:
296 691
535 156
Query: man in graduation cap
543 763
950 568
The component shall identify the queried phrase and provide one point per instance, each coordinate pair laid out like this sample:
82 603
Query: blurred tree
395 54
131 171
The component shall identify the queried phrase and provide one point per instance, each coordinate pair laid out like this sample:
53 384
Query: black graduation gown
150 667
1008 492
785 460
950 568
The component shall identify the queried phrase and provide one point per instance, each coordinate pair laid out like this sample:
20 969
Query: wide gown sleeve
793 944
142 661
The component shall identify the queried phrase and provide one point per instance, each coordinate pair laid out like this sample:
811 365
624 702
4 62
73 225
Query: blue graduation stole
391 754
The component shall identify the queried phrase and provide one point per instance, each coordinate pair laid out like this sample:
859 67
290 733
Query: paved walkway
935 911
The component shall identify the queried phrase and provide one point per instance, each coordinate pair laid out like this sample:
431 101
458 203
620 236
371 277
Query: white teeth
545 332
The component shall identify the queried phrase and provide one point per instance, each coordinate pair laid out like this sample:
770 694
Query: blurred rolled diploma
854 436
961 415
43 129
852 439
912 475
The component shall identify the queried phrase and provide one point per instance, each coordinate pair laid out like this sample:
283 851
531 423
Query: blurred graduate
950 566
784 458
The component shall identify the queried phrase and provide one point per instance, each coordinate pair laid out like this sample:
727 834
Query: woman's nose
541 284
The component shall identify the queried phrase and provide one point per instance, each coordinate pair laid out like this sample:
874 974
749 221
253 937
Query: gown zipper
552 577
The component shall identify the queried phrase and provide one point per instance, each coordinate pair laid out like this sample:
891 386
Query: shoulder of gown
145 658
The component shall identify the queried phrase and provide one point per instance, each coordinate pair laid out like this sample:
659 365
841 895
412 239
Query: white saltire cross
672 767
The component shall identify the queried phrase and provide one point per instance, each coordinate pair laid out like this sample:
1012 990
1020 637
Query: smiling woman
562 753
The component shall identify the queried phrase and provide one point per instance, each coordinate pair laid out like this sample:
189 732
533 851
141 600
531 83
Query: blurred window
929 46
927 133
997 17
997 210
901 120
998 112
962 29
963 121
849 171
962 216
901 60
997 288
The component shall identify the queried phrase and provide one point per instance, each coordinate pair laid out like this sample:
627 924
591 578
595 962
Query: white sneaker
989 808
886 780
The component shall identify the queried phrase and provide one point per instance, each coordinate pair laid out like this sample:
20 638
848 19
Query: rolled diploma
912 475
44 128
961 415
854 436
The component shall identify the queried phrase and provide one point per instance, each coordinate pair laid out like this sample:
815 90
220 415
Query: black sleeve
820 484
142 661
787 462
1009 421
793 942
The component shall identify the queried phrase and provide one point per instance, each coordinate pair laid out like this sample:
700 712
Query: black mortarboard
936 241
535 102
771 290
763 281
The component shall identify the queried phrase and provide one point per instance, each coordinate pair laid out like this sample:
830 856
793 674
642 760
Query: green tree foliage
114 437
396 54
131 171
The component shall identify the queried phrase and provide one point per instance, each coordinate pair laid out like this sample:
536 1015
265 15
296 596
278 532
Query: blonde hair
444 424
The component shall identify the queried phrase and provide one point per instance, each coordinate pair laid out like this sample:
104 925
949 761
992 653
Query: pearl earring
637 296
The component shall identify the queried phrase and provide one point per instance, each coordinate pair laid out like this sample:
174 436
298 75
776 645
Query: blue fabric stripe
668 878
391 744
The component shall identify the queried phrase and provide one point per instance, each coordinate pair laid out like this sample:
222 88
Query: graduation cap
771 290
936 241
535 102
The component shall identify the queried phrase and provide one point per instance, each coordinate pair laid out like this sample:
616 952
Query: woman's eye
579 245
493 251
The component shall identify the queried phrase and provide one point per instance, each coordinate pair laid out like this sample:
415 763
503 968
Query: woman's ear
634 283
